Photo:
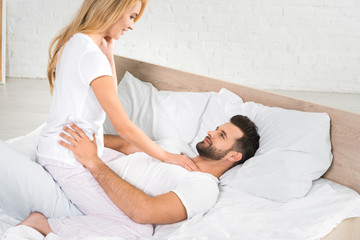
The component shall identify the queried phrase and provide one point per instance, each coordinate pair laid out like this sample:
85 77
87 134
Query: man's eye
222 135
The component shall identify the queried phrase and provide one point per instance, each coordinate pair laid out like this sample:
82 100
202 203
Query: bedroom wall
310 45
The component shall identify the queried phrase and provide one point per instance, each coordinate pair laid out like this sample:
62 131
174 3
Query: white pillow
220 109
295 149
26 187
27 144
160 114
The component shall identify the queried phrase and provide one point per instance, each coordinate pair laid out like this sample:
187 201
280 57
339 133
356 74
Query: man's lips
207 139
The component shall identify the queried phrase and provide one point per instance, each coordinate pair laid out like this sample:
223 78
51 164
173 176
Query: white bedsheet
238 215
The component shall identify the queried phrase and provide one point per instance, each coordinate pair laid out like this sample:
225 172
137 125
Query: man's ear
234 156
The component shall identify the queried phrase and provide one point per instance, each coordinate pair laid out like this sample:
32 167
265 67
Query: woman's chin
118 36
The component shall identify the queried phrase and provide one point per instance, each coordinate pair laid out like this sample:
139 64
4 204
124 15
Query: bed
342 179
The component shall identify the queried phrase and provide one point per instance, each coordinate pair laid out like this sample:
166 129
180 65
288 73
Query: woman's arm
106 94
107 47
105 89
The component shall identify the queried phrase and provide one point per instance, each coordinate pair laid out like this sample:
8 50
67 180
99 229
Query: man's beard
210 151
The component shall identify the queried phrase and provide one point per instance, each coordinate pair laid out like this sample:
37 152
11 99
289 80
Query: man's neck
213 167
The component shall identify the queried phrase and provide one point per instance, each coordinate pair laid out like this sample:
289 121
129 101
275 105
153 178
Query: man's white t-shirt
197 191
73 100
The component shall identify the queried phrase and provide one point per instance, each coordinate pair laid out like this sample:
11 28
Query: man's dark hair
249 143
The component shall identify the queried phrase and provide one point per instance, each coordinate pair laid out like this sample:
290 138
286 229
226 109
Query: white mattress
239 215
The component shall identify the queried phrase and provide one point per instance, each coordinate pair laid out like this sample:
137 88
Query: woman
82 61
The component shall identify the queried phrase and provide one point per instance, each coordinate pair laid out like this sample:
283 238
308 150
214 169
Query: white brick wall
275 44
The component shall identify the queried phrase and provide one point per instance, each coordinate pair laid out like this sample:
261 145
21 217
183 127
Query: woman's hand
107 47
182 160
80 145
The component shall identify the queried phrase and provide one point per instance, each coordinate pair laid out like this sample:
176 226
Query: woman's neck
96 37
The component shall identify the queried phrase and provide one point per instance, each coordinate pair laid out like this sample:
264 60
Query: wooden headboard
345 126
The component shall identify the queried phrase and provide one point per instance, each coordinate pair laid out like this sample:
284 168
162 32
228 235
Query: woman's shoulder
80 44
81 39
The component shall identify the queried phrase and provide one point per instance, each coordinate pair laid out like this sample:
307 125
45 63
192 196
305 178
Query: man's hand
80 145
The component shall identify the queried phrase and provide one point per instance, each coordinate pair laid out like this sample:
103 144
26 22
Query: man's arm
119 144
140 207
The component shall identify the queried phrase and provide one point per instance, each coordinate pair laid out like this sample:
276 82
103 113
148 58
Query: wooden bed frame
345 126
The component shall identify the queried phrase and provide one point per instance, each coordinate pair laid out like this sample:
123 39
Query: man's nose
210 134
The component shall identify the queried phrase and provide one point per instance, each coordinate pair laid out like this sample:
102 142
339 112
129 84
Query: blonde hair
94 16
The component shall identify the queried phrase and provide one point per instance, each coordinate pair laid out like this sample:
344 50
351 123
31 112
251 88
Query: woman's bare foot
37 221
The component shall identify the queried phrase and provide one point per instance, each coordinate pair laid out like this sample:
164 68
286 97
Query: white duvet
239 215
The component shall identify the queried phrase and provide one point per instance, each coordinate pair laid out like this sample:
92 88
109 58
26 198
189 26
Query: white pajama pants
102 217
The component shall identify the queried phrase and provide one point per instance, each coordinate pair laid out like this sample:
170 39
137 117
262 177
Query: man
151 192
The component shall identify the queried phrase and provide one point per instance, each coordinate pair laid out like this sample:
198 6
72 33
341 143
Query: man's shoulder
201 184
177 146
198 193
202 179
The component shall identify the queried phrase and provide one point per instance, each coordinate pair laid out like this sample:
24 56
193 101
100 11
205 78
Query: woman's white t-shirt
74 100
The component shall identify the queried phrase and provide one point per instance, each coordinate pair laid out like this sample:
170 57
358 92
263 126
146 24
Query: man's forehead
232 130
